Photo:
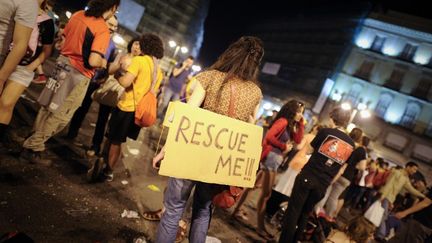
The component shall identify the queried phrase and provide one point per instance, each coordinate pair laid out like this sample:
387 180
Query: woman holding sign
285 130
232 79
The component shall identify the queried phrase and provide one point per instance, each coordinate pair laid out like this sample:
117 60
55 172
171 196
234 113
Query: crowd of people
309 175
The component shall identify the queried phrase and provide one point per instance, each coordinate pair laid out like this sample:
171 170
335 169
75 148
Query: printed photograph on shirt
336 149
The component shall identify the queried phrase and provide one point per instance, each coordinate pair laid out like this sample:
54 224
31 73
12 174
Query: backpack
146 109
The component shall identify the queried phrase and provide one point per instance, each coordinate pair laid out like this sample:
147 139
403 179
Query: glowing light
350 127
267 106
421 59
336 97
277 107
365 114
56 16
184 49
392 117
363 43
196 68
172 43
68 14
118 39
346 106
361 106
389 51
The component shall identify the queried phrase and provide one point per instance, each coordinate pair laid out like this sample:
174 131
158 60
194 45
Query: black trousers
308 190
78 118
274 201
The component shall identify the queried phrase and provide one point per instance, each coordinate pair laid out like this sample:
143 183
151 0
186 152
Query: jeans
175 199
308 190
382 230
168 95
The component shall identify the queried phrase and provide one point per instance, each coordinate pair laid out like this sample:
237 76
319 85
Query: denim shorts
272 161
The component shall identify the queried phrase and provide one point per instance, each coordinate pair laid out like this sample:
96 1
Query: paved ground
56 204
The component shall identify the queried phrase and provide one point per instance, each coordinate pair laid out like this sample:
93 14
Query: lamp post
361 107
178 48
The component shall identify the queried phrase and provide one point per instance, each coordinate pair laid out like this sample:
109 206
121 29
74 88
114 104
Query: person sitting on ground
358 230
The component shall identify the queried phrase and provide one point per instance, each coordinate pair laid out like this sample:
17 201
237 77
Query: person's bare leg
8 98
268 181
243 197
340 204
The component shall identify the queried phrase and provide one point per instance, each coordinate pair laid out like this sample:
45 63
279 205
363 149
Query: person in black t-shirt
419 228
330 201
331 149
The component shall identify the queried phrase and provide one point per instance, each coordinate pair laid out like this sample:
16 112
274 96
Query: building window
365 70
383 104
378 43
428 131
395 80
409 117
353 94
423 88
408 52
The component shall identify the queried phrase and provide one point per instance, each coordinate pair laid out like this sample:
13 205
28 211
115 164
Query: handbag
229 195
109 93
146 109
375 213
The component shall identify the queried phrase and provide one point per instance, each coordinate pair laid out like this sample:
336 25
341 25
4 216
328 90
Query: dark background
227 20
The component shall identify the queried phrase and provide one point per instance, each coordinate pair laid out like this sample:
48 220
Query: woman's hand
157 159
289 147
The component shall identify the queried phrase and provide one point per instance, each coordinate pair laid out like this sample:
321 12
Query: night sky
227 19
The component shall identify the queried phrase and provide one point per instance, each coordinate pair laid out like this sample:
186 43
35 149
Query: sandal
153 215
181 233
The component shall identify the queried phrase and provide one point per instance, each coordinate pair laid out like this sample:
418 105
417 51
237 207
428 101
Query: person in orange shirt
86 38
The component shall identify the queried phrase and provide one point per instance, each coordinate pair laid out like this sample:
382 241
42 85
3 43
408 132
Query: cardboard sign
208 147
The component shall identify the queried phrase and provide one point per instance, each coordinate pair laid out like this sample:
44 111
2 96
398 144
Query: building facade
389 71
179 21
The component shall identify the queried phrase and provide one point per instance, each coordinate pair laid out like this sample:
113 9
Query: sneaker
35 157
95 170
109 175
41 79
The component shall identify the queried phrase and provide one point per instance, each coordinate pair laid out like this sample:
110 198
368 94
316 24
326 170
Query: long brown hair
241 59
289 111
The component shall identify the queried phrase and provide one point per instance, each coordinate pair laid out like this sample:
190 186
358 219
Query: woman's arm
46 52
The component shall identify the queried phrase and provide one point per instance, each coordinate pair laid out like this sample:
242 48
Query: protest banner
208 147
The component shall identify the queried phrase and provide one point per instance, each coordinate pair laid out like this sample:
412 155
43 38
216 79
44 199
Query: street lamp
364 112
178 48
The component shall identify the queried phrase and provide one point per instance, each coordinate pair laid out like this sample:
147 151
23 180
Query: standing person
328 205
237 68
134 50
99 77
17 21
330 149
397 180
86 39
277 143
137 80
176 84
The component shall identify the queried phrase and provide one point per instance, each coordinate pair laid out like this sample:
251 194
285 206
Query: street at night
213 121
